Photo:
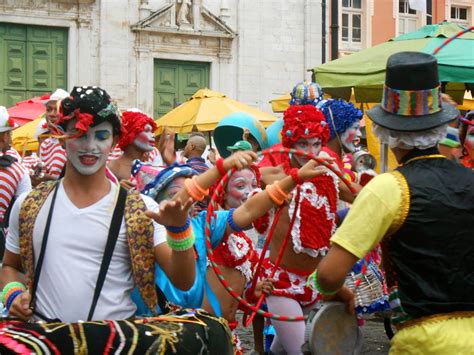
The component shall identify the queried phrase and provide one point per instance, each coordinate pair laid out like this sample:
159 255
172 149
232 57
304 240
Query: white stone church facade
152 54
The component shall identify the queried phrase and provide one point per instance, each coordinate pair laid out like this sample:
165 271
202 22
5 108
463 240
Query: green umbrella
365 70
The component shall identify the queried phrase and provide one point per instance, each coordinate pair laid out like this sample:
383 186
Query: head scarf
151 180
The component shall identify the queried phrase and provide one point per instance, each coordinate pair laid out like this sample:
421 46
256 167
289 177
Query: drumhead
333 331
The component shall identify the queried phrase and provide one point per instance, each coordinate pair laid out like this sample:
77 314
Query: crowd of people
104 225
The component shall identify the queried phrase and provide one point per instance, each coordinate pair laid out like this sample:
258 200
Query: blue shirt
193 297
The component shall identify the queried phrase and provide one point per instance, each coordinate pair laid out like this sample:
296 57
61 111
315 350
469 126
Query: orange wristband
199 188
283 195
191 190
272 193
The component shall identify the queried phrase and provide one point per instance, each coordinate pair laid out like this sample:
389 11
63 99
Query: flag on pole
419 5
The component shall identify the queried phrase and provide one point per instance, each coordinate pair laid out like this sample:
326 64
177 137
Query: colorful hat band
411 102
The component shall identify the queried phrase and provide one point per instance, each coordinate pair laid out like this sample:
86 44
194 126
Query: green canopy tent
364 71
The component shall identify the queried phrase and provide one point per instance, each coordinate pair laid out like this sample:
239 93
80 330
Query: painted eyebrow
240 178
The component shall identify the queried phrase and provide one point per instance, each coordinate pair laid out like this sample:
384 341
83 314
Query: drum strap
112 237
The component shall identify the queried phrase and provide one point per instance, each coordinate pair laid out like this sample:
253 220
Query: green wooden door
175 82
33 60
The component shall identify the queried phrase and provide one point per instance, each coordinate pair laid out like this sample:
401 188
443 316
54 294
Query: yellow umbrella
280 104
204 110
468 103
23 138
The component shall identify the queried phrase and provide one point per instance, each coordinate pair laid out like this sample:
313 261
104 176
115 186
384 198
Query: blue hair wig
340 115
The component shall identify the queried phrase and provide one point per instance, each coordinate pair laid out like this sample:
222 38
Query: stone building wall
257 49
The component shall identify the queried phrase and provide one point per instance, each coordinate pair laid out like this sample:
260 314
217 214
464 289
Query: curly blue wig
340 115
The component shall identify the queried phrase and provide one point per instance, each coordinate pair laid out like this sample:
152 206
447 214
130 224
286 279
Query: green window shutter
35 61
175 82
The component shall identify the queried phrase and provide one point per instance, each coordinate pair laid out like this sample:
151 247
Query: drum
331 330
181 332
370 294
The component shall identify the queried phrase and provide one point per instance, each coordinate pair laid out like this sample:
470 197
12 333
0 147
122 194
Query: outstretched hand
240 160
312 169
171 213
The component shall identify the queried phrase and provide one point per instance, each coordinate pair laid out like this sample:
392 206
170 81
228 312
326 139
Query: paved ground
375 340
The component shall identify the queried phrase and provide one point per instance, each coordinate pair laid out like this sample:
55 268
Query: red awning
26 111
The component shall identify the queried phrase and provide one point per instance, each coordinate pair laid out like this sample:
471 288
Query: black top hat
412 98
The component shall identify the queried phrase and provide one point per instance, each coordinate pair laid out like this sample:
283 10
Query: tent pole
383 158
210 138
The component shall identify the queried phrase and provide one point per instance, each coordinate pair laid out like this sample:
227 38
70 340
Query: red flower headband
133 123
303 121
84 120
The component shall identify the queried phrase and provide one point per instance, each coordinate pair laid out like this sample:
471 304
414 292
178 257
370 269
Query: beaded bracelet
295 177
220 166
8 287
231 222
180 245
173 229
313 281
12 297
180 236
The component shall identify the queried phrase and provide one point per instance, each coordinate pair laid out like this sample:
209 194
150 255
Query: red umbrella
28 110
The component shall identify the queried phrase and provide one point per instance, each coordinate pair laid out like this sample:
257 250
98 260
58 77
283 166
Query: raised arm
262 202
239 160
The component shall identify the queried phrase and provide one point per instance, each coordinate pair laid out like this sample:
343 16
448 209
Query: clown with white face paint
88 153
239 187
344 126
137 141
467 140
145 140
350 138
84 201
311 146
308 220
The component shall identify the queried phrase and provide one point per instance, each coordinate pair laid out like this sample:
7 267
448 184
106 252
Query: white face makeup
350 138
89 152
309 146
240 185
145 140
